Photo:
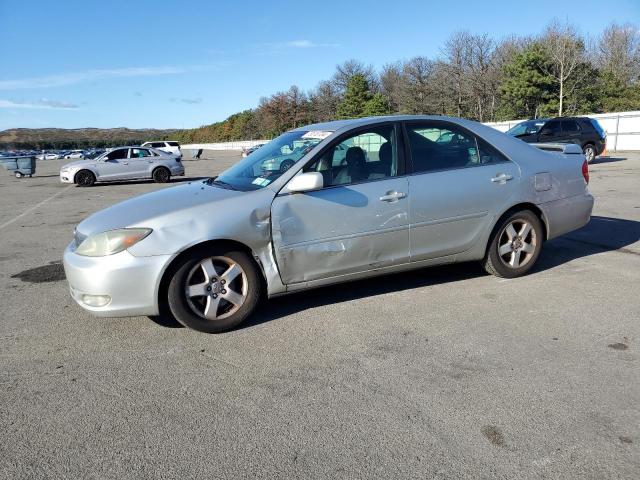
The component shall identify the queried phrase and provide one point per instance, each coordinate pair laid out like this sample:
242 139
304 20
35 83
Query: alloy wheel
517 243
216 288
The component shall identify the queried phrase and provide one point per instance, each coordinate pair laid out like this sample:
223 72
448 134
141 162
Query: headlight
111 242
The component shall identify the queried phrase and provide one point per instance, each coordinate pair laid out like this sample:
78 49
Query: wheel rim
589 153
85 179
517 244
162 175
216 288
285 166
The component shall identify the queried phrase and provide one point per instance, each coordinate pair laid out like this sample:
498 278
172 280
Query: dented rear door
341 230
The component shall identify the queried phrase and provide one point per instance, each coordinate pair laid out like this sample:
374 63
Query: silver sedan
412 192
123 163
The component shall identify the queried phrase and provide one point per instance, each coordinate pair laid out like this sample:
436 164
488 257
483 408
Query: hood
144 210
79 163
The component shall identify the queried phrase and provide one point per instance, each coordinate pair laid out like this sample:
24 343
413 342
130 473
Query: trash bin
20 166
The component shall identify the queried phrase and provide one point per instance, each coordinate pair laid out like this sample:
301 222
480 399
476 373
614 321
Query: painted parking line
35 207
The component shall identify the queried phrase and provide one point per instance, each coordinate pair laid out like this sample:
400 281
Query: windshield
271 160
526 128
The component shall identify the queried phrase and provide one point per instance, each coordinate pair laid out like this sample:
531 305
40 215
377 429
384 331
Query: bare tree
566 54
456 52
391 84
618 51
324 101
416 91
348 69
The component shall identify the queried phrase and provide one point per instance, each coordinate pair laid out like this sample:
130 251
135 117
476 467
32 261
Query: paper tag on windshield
261 181
317 134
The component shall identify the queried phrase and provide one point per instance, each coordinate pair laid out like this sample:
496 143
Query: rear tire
515 245
161 175
590 152
214 289
18 175
85 178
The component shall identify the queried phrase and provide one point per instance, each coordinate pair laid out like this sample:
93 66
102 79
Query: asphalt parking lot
440 373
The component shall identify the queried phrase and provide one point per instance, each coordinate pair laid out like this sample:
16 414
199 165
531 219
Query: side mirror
306 182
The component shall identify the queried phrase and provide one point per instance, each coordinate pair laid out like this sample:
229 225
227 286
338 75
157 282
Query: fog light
96 300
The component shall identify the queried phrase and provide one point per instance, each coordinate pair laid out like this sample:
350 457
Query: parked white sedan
123 163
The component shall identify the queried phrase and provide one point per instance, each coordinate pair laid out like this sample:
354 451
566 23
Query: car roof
336 125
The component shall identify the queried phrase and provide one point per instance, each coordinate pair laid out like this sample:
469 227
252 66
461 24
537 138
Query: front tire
214 289
515 245
85 178
589 152
161 175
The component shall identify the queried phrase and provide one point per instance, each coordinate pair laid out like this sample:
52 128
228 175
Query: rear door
571 131
140 163
458 183
357 222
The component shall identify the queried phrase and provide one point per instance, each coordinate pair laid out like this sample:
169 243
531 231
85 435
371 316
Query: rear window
598 127
570 126
173 144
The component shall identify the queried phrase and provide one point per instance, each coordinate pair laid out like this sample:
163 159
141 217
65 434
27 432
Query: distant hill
60 138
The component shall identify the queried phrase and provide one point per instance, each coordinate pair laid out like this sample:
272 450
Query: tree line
559 72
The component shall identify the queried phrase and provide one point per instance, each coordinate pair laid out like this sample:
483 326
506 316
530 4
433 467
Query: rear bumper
567 214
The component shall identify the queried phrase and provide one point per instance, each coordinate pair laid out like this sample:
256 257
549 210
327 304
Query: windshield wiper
219 183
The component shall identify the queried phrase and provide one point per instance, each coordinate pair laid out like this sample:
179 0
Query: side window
173 144
488 154
139 153
118 154
434 147
551 128
368 155
570 126
157 144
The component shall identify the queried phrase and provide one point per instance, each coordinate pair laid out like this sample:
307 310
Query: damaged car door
357 221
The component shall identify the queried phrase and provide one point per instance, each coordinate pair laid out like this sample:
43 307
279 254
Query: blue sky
163 64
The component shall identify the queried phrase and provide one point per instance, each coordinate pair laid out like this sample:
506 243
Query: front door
551 132
114 165
357 222
458 182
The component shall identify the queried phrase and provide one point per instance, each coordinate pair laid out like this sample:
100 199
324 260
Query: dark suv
582 131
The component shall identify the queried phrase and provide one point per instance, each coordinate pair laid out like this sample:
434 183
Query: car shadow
607 159
601 234
142 182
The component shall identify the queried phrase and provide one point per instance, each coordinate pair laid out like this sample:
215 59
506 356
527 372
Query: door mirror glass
306 182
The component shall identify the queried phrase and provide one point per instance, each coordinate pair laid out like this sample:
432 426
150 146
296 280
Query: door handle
501 178
392 196
125 163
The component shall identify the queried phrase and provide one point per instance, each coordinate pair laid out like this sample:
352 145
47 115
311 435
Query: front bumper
67 177
131 282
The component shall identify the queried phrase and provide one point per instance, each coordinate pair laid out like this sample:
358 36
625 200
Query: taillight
585 171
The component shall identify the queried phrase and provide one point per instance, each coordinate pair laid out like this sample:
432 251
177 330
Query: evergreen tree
377 105
356 97
527 91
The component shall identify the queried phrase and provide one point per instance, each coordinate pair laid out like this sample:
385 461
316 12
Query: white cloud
42 103
308 44
73 78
